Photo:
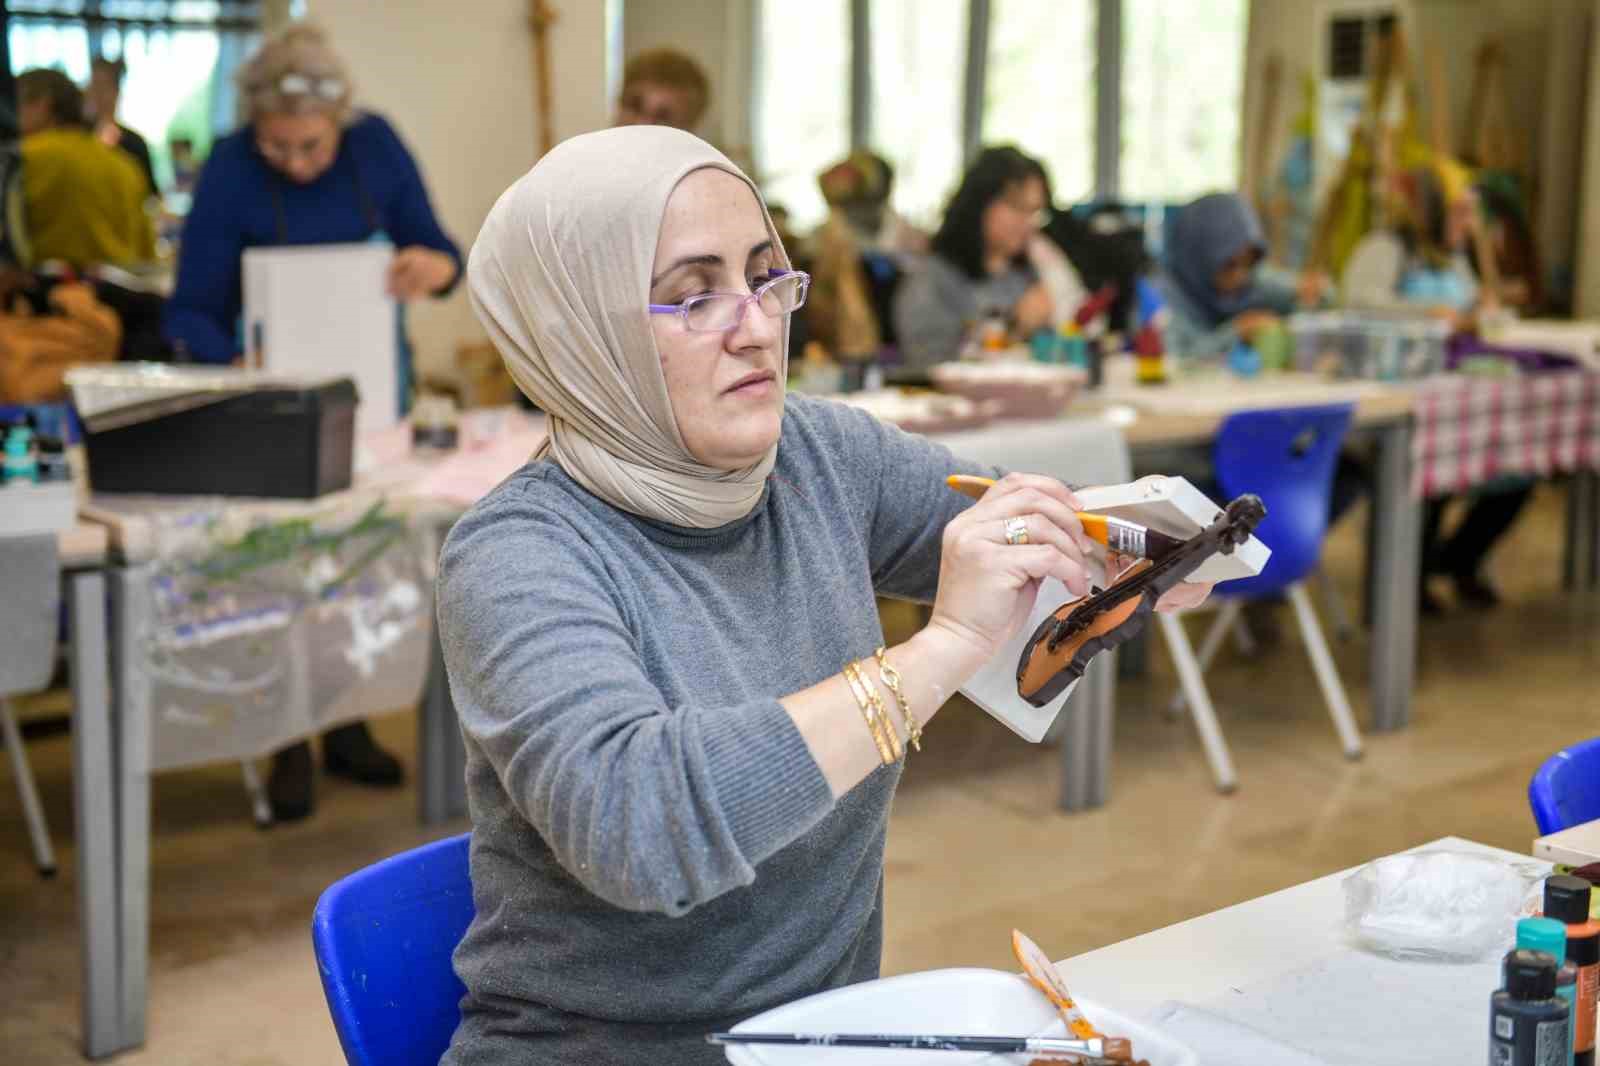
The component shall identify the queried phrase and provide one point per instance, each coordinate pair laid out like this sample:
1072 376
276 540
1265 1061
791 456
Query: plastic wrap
1443 906
264 628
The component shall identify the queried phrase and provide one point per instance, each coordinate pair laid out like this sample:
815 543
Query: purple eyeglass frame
682 310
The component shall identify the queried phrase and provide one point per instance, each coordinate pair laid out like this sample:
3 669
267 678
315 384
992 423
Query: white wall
456 79
716 33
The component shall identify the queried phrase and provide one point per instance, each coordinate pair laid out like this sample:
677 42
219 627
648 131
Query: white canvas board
321 310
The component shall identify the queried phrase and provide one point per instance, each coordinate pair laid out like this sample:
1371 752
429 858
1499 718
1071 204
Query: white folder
321 310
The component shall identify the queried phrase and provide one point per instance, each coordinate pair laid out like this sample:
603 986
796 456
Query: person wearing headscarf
1215 286
661 634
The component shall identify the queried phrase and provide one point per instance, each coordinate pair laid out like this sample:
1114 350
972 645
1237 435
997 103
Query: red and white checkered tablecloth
1474 429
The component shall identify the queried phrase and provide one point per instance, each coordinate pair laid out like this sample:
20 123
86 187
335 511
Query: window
802 102
917 52
180 61
1177 107
1039 92
1182 93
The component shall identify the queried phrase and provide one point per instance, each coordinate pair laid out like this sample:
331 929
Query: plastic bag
1444 906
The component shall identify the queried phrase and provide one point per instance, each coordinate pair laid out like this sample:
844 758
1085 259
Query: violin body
1060 649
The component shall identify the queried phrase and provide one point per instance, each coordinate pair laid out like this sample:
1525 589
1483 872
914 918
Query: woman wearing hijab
679 797
1215 286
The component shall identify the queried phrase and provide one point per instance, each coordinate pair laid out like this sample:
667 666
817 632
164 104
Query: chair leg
1327 677
1228 619
260 808
1243 640
1343 628
32 810
1205 717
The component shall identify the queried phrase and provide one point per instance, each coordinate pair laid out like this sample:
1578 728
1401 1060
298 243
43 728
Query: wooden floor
975 846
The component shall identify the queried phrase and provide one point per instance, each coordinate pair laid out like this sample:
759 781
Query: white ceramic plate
966 1001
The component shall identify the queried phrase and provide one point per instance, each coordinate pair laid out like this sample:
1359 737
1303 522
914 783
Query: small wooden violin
1060 649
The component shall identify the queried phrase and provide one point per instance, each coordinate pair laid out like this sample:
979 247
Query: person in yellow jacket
83 201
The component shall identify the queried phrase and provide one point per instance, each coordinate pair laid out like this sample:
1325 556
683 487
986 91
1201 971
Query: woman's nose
755 328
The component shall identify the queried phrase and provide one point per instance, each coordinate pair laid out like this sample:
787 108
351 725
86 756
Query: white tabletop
1281 965
1577 846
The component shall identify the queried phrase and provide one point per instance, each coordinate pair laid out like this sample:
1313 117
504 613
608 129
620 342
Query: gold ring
1016 531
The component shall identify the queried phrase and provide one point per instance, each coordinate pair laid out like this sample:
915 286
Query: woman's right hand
987 587
1248 324
1034 310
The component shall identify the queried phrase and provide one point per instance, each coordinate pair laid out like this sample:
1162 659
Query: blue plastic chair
1287 457
383 938
1565 791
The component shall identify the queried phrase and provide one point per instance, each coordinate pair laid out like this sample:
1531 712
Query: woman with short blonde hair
297 72
306 168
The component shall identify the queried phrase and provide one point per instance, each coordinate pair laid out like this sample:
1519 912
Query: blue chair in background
383 938
1287 457
1565 791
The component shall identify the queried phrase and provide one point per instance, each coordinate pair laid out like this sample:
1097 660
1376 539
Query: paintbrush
1090 1052
1116 534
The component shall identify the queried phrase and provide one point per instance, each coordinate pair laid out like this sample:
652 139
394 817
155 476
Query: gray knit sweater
655 853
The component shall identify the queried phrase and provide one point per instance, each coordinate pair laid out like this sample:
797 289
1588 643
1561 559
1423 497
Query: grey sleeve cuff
768 785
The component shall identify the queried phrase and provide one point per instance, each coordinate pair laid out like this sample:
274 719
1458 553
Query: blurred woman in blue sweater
307 169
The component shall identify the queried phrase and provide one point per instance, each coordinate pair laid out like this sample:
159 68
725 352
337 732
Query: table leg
93 807
130 597
1105 709
1085 737
1581 553
1397 560
441 755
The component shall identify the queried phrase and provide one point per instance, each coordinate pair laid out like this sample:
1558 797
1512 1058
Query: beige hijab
560 277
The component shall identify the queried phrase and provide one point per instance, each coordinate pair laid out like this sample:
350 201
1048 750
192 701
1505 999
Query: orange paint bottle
1566 899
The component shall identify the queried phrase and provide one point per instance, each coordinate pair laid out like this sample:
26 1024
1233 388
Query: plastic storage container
280 442
1370 345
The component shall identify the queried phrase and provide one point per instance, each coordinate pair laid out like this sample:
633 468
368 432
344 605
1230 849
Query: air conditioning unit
1348 34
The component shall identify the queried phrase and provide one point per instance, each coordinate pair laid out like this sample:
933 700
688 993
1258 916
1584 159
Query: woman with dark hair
979 265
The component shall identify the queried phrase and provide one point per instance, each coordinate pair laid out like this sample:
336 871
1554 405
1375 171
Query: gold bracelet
891 681
859 690
883 714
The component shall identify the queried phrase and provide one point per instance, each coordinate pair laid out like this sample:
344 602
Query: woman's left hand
416 272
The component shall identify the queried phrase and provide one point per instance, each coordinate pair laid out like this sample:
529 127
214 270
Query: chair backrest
1287 457
1565 791
383 938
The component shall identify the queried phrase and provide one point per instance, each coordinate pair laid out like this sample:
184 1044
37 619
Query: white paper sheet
322 310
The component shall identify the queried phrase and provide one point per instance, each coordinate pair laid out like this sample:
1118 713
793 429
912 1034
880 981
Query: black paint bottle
1527 1022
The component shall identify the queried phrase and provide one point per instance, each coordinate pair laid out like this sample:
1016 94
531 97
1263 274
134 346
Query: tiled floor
975 848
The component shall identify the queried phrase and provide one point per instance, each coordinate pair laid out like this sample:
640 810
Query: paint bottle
1566 899
1550 936
1527 1023
20 462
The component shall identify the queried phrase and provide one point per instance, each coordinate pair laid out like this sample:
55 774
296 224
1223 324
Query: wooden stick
1438 103
1258 181
541 16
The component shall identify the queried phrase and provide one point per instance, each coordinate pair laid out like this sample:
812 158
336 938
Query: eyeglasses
329 89
718 312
